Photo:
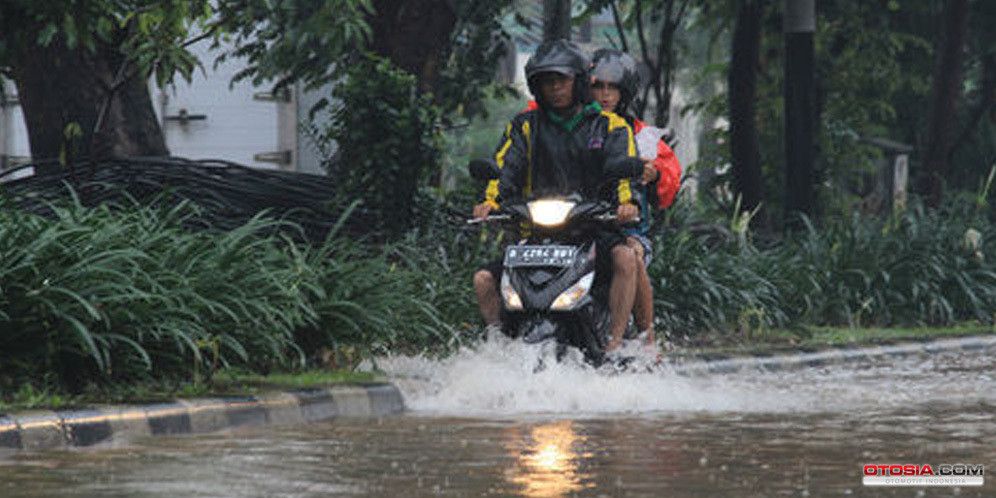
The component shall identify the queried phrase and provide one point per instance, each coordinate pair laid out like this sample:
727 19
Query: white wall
237 126
14 145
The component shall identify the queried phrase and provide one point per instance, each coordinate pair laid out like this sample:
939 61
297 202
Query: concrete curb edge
48 429
794 361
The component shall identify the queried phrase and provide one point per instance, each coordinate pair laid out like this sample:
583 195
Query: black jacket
539 156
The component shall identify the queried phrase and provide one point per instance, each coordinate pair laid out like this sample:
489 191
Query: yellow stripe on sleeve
625 193
529 158
615 121
491 193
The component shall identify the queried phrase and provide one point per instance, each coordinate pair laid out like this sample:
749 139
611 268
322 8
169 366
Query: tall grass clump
706 283
445 270
370 302
917 268
410 294
116 294
95 293
90 295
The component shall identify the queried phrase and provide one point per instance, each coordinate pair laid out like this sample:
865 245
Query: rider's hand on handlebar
481 210
626 213
650 173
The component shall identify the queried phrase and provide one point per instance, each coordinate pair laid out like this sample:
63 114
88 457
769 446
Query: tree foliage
315 42
477 43
153 35
386 139
874 65
82 66
286 41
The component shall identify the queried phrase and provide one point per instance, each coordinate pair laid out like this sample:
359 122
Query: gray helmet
560 56
618 67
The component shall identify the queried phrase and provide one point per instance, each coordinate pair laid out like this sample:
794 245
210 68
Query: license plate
518 256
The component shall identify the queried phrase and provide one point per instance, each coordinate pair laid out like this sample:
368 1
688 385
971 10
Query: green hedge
918 268
100 294
97 295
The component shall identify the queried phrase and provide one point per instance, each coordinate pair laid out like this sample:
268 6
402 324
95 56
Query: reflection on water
548 464
810 455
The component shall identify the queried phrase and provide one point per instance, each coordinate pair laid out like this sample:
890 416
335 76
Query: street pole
800 116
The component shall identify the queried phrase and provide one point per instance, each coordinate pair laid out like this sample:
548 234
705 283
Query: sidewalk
793 361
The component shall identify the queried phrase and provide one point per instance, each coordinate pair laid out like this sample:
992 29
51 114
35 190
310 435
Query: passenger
615 82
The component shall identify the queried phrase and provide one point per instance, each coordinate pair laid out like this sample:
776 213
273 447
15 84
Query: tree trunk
556 20
58 87
414 35
943 101
800 126
986 105
661 63
744 146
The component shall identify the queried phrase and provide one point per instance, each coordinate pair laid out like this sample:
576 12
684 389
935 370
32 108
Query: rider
562 147
615 82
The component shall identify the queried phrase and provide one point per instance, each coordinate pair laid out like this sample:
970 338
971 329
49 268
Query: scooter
549 287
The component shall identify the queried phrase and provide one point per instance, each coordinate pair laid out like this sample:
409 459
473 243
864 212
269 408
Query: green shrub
701 286
915 269
108 295
95 293
919 268
385 139
98 295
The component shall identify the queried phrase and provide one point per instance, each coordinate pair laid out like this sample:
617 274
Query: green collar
570 123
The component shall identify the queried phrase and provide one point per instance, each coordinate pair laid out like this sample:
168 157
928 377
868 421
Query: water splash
499 377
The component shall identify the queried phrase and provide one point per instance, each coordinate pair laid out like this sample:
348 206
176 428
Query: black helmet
560 56
617 67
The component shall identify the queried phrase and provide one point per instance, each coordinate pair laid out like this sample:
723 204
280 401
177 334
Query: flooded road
483 424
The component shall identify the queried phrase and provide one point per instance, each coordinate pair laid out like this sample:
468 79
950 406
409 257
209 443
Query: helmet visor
609 72
564 70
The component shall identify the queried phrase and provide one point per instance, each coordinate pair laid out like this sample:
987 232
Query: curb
46 429
787 362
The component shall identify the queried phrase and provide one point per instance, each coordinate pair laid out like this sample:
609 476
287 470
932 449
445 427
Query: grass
300 380
224 383
837 336
102 293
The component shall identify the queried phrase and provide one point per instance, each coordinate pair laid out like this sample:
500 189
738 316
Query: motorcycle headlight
549 212
508 294
573 295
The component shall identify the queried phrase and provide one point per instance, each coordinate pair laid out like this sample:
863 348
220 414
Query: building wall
208 118
14 146
235 122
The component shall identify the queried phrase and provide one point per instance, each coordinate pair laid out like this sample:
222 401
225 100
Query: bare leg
643 307
621 292
488 299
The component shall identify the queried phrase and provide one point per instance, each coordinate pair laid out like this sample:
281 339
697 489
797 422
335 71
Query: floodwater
482 423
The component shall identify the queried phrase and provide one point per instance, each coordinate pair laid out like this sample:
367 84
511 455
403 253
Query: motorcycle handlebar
493 217
506 217
507 214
